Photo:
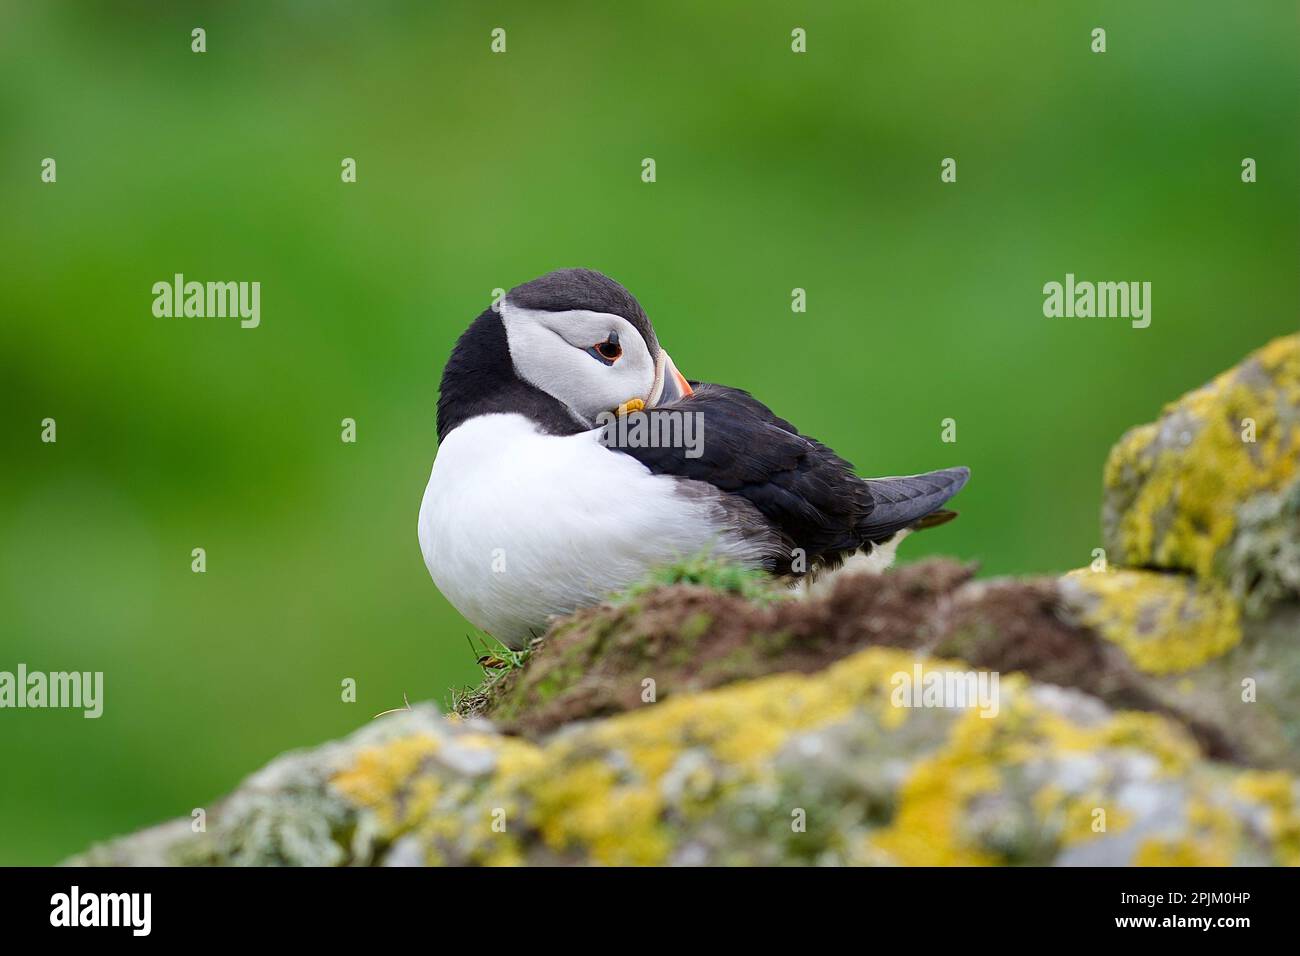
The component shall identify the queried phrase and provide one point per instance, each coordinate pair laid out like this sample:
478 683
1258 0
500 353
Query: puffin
542 500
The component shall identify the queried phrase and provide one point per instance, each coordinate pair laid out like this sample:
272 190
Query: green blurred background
476 170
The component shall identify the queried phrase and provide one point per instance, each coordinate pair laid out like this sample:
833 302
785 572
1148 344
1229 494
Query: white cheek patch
548 351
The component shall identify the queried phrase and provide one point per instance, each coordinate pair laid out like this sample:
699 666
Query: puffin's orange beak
670 385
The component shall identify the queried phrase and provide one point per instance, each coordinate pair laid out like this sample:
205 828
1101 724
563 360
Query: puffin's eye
608 351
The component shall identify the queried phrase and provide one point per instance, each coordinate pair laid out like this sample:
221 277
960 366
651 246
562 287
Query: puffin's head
559 350
584 340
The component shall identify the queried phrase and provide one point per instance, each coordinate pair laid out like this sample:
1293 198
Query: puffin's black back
809 495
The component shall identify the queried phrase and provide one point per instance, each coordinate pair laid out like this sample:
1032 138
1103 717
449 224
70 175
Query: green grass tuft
497 662
756 586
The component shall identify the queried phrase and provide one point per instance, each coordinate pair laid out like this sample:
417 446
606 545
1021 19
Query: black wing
809 494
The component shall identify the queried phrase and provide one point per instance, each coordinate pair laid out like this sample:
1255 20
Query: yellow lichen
1186 851
588 806
584 807
750 721
1074 817
1277 792
1183 510
1165 623
619 790
1081 822
929 828
380 776
1212 838
1167 742
616 816
1216 836
1164 740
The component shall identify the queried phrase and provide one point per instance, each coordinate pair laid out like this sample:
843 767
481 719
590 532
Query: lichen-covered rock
1263 563
1202 656
1191 492
790 768
1202 526
284 814
1148 713
1166 623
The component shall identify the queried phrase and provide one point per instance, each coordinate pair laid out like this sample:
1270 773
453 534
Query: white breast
517 526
